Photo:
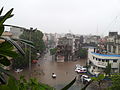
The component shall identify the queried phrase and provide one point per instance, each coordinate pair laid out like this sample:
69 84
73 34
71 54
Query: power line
5 2
113 25
111 22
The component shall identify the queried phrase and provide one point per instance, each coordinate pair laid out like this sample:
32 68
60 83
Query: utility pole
30 32
31 29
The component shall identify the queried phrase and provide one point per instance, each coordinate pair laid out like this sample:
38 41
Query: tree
82 53
99 79
23 84
6 51
53 51
115 82
108 69
36 38
6 47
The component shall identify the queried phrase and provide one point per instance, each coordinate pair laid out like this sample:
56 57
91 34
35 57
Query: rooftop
106 55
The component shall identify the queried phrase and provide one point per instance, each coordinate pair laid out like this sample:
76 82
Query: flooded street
65 72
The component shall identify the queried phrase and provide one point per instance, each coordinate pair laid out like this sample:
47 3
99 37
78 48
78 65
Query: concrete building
97 62
113 43
6 34
16 32
91 39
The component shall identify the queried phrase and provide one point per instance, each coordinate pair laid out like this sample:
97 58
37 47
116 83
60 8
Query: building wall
98 62
16 32
113 43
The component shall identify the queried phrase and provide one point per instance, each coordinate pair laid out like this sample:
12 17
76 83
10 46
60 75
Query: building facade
113 43
16 32
97 62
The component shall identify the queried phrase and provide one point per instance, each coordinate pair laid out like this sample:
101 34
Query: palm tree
7 45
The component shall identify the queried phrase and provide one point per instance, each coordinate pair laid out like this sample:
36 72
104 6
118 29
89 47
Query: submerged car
34 61
85 79
18 70
80 69
78 66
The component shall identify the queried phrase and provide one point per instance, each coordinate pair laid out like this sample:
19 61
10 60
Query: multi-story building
97 62
91 39
113 43
16 32
108 51
6 34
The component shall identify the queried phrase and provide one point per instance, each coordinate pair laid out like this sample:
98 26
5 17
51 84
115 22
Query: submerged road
65 72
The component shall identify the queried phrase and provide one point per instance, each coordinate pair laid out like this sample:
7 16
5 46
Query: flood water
65 72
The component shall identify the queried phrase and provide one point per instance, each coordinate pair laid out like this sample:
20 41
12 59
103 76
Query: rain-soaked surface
65 72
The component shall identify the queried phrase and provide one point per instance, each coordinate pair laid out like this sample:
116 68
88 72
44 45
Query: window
106 60
103 60
99 59
114 60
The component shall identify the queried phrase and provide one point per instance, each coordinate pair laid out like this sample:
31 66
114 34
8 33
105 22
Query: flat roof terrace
105 56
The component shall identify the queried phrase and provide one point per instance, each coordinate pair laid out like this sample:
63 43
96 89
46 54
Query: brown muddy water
65 72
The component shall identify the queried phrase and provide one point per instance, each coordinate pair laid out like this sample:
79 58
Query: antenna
97 30
70 31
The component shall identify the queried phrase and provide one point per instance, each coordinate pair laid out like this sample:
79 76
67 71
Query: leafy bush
53 51
23 84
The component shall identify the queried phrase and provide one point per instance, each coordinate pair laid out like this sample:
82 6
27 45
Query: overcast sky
62 16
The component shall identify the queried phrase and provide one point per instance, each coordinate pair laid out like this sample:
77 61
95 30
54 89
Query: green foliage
82 53
23 84
39 47
6 47
4 61
6 50
36 38
108 69
99 79
29 43
53 51
6 16
19 62
1 10
69 85
20 50
115 82
1 29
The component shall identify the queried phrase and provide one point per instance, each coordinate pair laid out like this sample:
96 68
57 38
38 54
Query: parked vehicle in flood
85 79
80 69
